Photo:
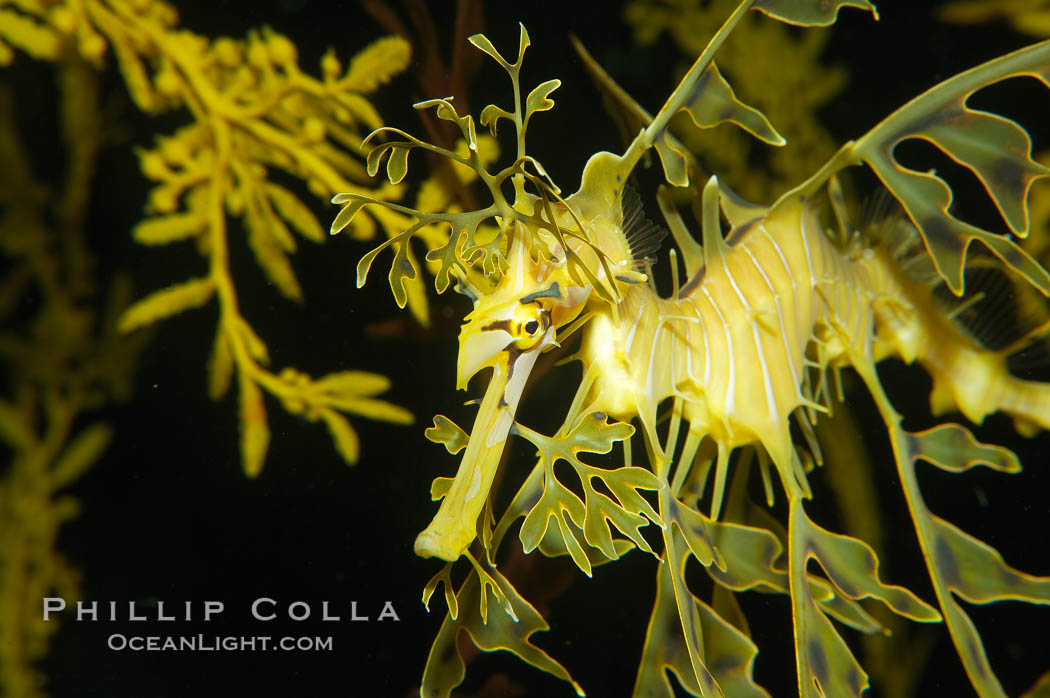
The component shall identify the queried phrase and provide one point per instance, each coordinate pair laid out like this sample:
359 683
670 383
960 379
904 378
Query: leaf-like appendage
953 448
442 577
488 254
713 102
676 625
627 513
673 160
557 501
491 115
462 248
448 257
696 529
403 270
352 204
830 669
443 109
445 668
976 572
852 567
397 164
750 556
810 13
553 544
490 583
485 46
709 101
826 667
729 653
439 488
447 432
404 275
958 563
995 149
539 99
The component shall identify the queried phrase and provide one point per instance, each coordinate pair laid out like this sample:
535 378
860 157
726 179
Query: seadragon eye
530 323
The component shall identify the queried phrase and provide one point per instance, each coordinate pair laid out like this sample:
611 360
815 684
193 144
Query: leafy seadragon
768 315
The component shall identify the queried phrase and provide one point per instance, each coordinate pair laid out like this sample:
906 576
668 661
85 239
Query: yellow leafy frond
273 261
162 230
81 453
255 433
377 63
167 302
38 40
357 383
295 212
220 367
343 435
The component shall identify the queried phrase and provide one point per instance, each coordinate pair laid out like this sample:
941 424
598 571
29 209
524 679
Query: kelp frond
64 362
254 113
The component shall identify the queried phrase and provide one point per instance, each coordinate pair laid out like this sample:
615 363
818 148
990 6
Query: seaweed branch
255 113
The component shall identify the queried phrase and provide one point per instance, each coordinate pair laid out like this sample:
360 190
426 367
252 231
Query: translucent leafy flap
628 512
751 553
852 567
729 654
445 668
447 432
994 148
976 572
953 448
711 101
810 13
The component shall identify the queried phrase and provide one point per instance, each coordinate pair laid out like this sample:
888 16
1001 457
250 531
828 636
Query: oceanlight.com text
218 643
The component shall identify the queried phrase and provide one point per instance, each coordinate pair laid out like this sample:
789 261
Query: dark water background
169 515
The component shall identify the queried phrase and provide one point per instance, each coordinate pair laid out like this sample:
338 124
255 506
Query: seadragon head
506 332
530 281
520 318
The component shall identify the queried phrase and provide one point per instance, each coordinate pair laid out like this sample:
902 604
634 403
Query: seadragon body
765 319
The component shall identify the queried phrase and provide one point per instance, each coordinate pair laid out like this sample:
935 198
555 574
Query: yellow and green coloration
789 297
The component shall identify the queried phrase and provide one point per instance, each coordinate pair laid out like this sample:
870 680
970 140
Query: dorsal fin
986 310
882 222
643 235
